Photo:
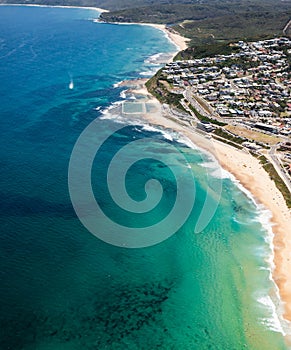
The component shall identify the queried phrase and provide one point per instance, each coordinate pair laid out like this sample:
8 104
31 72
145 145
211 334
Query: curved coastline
179 41
255 181
248 171
98 9
250 175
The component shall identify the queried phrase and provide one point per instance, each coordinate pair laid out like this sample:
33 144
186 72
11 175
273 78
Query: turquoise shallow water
61 287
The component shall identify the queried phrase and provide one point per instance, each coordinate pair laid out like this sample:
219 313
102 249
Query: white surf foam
107 113
273 305
116 85
148 73
123 94
187 142
166 134
215 169
272 321
154 59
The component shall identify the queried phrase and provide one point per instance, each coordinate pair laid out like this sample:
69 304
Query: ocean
181 285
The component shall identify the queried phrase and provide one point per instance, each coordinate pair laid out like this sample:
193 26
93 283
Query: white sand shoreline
58 6
248 172
255 182
179 41
253 178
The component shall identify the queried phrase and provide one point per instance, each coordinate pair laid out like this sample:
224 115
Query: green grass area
205 48
222 133
228 142
276 178
254 135
211 25
203 118
158 89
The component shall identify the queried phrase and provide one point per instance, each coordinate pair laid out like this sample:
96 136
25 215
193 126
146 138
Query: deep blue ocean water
63 288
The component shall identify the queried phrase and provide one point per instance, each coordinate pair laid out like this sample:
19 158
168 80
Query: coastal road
272 156
189 96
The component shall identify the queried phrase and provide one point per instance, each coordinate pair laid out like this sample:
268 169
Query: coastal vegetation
159 90
276 178
254 135
228 136
104 4
211 25
230 143
204 118
211 36
205 48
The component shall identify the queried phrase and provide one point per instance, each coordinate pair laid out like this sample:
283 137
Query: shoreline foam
279 322
251 176
178 40
253 179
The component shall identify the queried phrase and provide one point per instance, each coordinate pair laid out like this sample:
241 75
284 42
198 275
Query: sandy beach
246 169
59 6
251 175
180 41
